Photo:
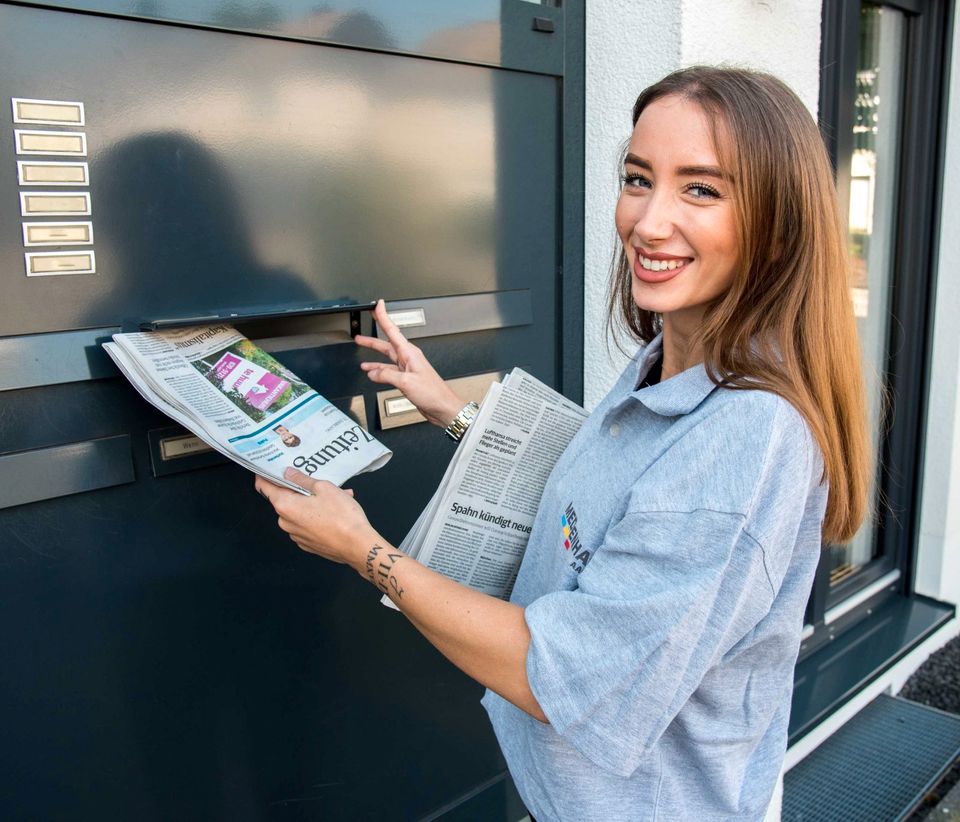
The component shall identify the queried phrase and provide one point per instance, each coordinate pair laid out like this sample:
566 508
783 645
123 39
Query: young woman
655 681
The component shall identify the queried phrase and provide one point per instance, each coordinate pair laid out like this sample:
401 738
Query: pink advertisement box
255 384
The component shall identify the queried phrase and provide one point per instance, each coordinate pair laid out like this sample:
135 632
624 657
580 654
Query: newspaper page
244 403
476 526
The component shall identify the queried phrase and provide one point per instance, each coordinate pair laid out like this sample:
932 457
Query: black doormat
877 767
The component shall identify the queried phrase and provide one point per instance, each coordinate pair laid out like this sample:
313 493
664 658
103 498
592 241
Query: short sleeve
667 594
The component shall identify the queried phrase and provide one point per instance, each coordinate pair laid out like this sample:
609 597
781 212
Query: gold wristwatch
462 421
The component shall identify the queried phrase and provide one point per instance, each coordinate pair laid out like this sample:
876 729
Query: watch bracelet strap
462 421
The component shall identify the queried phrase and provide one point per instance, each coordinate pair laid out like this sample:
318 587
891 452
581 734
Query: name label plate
38 173
51 142
408 317
54 204
47 112
54 263
173 448
57 234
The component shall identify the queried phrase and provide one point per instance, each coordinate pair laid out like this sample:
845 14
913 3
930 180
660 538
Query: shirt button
615 430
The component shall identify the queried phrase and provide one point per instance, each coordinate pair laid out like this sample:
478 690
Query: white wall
629 46
938 558
633 43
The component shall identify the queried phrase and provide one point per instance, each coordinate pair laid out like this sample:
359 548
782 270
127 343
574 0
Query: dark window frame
906 370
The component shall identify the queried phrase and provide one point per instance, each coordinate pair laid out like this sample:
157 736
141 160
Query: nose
653 218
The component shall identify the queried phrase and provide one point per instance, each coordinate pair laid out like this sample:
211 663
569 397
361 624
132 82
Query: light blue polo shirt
665 583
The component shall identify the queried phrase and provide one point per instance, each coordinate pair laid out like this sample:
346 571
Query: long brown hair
786 324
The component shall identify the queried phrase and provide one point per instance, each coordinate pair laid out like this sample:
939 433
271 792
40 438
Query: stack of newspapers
475 528
245 404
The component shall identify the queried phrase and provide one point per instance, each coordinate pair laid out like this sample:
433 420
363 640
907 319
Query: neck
679 350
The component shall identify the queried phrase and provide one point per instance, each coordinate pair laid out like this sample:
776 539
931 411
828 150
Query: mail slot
167 652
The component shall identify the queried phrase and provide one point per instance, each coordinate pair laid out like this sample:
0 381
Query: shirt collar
678 395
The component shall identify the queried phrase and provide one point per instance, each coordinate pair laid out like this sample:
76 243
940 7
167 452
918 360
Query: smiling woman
654 682
779 318
678 231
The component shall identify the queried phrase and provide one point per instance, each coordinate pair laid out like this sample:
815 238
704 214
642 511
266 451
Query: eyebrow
683 171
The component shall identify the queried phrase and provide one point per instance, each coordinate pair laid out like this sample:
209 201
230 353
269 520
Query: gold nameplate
173 448
53 263
54 204
52 174
51 112
51 142
58 233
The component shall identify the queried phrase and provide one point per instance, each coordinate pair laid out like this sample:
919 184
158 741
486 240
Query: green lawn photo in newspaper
251 379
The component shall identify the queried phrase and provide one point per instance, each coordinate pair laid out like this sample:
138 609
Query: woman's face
675 214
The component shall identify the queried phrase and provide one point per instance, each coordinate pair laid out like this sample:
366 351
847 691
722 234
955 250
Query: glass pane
871 225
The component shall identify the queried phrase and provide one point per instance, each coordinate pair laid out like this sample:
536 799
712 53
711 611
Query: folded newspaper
246 405
475 528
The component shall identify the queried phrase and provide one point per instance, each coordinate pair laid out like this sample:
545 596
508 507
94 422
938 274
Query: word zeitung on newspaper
475 528
245 404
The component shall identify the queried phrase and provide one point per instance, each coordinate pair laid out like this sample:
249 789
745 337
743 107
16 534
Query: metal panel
206 649
49 359
431 317
48 473
261 174
225 164
490 32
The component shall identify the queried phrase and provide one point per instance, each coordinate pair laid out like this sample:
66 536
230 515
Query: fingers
387 325
378 345
299 478
265 488
379 372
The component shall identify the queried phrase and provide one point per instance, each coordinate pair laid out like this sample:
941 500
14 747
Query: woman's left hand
330 523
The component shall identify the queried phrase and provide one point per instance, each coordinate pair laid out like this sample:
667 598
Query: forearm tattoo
379 567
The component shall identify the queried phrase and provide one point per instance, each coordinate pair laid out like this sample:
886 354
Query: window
880 108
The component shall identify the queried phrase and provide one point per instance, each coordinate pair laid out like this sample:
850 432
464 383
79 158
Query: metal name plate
47 112
398 405
57 234
51 142
54 204
172 448
38 172
408 318
54 263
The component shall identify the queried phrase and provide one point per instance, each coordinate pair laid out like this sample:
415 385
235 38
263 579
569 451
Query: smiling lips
658 268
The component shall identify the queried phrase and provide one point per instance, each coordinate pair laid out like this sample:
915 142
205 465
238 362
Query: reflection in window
871 225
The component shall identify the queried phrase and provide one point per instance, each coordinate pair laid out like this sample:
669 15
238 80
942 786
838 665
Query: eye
700 191
635 181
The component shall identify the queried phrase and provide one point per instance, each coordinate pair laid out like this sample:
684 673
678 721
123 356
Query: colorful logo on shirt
571 540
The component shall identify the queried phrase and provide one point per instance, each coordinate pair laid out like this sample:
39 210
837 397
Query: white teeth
660 265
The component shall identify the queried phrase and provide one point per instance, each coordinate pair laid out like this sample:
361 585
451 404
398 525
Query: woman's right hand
410 371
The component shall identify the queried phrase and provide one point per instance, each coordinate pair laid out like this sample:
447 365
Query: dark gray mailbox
166 653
